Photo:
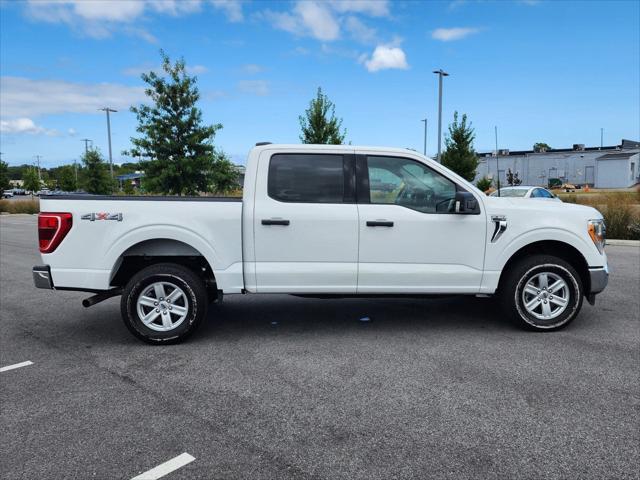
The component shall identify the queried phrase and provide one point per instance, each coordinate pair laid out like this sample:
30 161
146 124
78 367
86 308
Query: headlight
597 232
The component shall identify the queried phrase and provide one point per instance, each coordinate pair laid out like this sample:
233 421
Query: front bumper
42 277
599 278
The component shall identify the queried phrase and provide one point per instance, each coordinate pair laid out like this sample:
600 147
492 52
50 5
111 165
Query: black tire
512 293
192 296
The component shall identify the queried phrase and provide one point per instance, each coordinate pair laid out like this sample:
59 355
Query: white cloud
72 132
375 8
196 69
385 57
252 68
101 18
24 126
309 18
23 97
175 7
254 87
318 20
231 8
359 31
450 34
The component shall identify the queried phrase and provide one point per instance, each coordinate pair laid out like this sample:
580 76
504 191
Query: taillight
52 228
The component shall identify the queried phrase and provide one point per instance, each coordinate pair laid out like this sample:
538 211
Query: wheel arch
160 250
556 248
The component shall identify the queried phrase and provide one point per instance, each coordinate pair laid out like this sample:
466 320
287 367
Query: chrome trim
599 278
501 227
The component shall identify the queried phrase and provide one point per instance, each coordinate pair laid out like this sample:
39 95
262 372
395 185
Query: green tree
459 155
66 176
176 148
484 183
224 177
31 180
4 175
541 147
319 124
513 178
96 177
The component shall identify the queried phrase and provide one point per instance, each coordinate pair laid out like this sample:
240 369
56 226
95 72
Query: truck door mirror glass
465 204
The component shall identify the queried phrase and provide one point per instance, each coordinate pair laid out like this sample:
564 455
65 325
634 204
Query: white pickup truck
329 221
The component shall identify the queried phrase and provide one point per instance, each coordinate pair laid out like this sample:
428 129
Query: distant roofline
626 144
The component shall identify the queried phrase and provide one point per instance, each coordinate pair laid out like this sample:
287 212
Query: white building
607 167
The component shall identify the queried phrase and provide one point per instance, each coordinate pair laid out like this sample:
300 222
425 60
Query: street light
425 136
107 109
441 73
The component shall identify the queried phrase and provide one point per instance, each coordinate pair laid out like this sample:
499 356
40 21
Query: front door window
404 182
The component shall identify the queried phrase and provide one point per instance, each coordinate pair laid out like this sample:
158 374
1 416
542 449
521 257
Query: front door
409 242
306 223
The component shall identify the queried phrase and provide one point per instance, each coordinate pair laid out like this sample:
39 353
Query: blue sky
539 70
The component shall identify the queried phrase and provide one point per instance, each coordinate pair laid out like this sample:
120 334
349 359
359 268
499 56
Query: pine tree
459 155
31 180
176 149
67 178
319 124
224 176
4 175
96 177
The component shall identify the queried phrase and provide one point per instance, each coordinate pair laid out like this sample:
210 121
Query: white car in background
526 192
7 194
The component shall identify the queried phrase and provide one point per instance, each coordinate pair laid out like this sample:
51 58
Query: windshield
511 192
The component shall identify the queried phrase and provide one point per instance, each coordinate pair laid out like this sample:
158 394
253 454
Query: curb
623 243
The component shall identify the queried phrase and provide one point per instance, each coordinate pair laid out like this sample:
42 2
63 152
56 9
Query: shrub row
620 210
20 206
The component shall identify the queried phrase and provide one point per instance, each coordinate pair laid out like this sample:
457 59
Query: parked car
311 223
526 192
7 194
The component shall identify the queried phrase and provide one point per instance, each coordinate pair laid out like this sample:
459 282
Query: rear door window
306 178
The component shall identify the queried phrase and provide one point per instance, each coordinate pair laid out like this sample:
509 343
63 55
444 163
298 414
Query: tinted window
297 177
544 193
400 181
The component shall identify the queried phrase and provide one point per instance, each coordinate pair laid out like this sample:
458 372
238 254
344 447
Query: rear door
306 223
409 242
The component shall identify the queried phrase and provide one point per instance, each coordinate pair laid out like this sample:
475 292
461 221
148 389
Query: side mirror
465 203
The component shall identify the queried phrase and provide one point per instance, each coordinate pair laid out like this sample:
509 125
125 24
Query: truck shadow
238 316
263 315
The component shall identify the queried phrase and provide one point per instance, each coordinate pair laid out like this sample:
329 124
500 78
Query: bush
484 183
20 206
619 216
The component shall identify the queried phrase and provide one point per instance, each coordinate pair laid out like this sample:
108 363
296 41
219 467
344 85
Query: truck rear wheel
164 303
541 293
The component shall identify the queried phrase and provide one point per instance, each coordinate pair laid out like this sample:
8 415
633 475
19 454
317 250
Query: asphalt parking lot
282 387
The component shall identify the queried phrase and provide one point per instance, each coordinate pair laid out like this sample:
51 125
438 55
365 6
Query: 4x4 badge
102 216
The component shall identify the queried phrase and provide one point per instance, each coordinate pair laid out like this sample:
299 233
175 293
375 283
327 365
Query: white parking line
166 467
16 365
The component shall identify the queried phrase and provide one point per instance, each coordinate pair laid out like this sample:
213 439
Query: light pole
86 144
425 136
441 73
38 157
107 109
497 164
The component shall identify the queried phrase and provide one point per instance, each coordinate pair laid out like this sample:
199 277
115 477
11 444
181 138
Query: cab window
405 182
306 178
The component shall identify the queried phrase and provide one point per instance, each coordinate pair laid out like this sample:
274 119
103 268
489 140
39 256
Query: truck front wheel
542 293
164 303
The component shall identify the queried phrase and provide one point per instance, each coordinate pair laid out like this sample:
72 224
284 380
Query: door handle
272 221
379 223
